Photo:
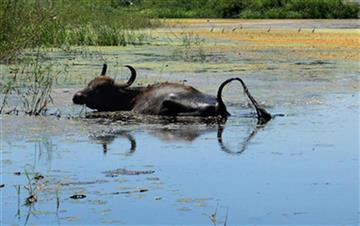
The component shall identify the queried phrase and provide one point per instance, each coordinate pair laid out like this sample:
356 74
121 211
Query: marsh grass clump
109 35
32 191
36 92
190 47
29 87
94 35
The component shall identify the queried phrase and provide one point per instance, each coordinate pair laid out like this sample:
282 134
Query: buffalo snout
79 98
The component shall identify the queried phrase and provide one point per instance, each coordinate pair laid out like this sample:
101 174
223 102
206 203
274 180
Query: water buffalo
168 99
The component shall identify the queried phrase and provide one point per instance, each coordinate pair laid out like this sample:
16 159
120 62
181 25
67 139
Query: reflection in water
173 135
44 148
108 138
179 133
244 144
176 133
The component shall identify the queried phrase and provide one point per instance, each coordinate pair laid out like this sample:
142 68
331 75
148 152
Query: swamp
71 166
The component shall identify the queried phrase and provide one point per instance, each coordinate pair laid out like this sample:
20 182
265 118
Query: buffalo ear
103 72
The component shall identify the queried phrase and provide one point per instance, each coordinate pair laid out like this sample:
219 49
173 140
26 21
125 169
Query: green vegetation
190 48
54 23
38 24
255 9
32 82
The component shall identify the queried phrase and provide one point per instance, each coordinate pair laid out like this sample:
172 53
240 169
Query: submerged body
175 99
160 99
169 99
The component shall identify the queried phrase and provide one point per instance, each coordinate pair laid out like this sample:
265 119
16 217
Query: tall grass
91 35
21 24
54 23
189 47
28 88
35 24
36 89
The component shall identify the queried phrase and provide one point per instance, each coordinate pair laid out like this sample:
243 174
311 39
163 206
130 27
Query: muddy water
300 169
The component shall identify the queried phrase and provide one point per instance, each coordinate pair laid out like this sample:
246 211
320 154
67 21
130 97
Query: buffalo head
104 94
